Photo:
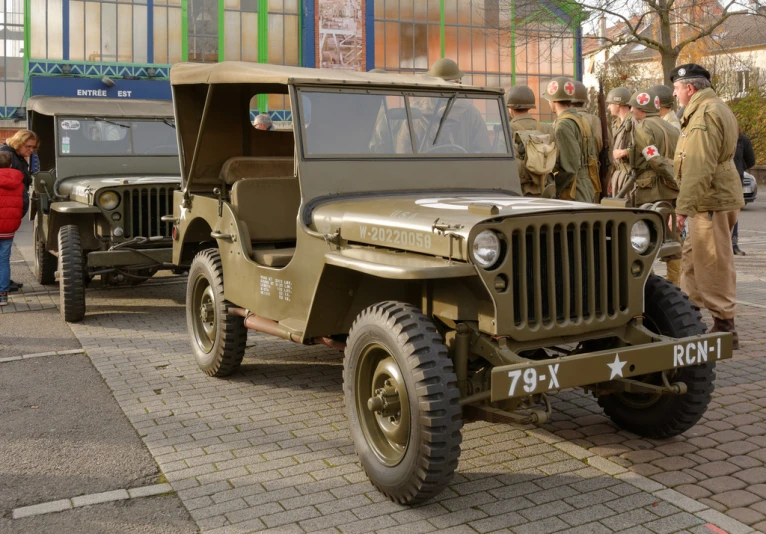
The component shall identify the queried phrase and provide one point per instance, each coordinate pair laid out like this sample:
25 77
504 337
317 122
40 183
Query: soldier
618 100
471 133
581 98
666 104
653 147
519 100
574 142
710 195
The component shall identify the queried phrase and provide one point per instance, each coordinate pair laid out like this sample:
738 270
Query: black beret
689 70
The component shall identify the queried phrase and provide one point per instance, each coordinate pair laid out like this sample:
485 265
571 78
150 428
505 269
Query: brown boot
726 325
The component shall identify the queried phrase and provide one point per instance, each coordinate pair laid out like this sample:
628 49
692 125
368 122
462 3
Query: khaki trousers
708 275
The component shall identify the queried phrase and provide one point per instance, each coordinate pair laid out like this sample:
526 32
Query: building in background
124 48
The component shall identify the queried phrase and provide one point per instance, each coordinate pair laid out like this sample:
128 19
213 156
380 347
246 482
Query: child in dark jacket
11 211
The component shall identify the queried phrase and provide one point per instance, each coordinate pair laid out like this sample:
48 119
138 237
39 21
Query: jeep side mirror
42 182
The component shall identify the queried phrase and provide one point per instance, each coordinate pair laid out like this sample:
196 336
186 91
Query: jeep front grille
568 272
144 208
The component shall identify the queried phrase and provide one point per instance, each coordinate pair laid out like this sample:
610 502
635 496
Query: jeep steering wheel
445 149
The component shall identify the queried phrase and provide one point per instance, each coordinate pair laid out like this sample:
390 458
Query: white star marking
616 366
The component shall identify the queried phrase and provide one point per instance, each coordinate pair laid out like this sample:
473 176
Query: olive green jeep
109 170
389 224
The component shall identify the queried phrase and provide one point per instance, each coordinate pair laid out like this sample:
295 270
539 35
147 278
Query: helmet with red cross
560 89
646 100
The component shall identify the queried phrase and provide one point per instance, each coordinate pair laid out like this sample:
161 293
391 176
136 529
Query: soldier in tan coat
710 195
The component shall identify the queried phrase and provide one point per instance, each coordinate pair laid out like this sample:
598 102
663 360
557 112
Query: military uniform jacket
704 165
595 128
623 139
654 177
528 122
571 163
670 118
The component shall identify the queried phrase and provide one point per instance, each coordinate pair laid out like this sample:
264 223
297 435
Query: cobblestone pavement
268 448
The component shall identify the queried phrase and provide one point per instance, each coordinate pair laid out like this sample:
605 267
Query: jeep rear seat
265 197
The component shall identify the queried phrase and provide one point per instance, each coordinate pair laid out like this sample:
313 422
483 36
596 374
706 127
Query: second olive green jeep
109 169
388 224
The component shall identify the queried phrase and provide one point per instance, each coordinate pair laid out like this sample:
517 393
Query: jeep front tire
71 274
401 400
668 312
45 262
217 337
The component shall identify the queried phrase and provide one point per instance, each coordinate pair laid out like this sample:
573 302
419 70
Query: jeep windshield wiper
169 123
447 109
101 119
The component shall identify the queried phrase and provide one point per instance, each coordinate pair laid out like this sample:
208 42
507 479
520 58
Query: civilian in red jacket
11 211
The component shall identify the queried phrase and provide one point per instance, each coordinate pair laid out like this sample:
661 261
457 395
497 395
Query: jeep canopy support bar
193 166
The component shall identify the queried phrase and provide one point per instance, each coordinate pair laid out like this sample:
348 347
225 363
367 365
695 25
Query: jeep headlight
640 237
486 248
109 200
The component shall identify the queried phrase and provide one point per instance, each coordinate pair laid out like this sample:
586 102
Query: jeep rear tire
217 337
401 400
71 275
668 312
45 262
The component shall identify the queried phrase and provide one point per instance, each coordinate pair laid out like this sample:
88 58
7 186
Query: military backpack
536 156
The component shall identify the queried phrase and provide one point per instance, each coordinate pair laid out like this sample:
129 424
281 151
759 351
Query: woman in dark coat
744 158
21 146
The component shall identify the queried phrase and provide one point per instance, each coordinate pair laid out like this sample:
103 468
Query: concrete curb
88 500
42 354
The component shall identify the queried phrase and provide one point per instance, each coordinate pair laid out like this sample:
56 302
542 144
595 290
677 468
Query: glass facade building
138 41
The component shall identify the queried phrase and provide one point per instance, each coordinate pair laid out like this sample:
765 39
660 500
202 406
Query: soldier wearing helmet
618 100
574 179
465 127
653 148
519 100
666 104
581 98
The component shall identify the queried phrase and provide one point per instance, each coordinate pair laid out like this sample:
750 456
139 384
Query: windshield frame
169 121
459 91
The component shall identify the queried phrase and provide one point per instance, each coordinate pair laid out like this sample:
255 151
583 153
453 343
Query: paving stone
631 502
756 475
722 484
735 448
727 436
736 498
44 508
587 515
497 522
693 491
628 519
672 523
674 463
747 516
642 456
718 469
544 526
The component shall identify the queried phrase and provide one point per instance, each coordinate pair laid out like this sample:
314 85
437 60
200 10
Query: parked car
389 224
108 171
749 188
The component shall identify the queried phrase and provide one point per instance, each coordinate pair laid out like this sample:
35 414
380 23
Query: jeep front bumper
529 378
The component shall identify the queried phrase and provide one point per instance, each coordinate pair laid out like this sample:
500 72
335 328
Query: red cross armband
650 152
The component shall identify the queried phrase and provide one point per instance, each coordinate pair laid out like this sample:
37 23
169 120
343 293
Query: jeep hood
421 223
84 189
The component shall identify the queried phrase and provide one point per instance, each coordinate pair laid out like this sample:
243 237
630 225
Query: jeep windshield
371 124
116 137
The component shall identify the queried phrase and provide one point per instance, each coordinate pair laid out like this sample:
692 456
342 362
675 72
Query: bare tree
665 26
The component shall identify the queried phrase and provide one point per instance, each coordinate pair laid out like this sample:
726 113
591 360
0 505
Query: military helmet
581 93
645 100
666 95
619 96
520 97
446 69
560 89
